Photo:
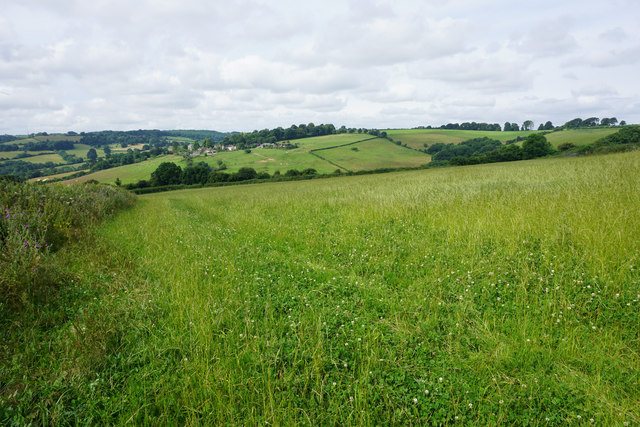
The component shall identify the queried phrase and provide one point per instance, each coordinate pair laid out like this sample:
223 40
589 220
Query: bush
566 146
536 145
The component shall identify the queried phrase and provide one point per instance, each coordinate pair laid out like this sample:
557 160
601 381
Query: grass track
504 293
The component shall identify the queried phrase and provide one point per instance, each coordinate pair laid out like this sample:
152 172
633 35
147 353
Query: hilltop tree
527 125
507 127
548 126
536 145
515 127
591 121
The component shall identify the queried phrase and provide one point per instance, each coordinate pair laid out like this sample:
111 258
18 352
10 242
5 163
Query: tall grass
503 293
36 219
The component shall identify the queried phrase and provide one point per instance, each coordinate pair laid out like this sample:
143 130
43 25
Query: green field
44 158
10 154
269 160
128 173
374 154
579 136
380 153
416 138
494 294
327 141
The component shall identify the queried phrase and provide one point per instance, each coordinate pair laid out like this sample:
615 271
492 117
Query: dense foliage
36 219
627 135
591 122
155 138
271 136
472 126
470 148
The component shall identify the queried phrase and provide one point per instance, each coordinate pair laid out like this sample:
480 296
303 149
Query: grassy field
416 138
493 294
128 173
374 154
579 136
327 141
44 158
269 160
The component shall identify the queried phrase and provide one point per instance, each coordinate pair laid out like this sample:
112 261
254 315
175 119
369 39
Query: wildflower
415 400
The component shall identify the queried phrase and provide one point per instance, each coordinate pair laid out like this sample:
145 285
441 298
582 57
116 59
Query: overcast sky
243 65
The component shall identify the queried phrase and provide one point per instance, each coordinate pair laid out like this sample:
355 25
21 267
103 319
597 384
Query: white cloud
246 64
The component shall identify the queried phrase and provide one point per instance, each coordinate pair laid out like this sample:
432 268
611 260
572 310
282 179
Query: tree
527 125
515 127
623 123
197 174
575 123
548 126
536 145
591 121
92 155
166 174
244 174
507 127
118 182
107 151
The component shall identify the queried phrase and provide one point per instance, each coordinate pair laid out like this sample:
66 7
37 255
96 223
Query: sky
245 65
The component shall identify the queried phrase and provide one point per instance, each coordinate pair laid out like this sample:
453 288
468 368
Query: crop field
374 154
502 293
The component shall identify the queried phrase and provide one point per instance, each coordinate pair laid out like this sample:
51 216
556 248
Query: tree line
168 173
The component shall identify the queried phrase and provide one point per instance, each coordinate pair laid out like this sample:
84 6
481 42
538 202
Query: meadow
417 138
373 154
498 293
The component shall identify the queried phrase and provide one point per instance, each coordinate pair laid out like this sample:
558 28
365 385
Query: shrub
566 146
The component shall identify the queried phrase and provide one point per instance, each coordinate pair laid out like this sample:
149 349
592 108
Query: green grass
416 138
11 154
374 154
579 137
128 173
492 294
378 155
44 158
308 144
80 150
269 160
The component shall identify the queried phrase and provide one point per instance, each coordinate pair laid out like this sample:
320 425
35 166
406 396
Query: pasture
374 154
416 138
493 294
